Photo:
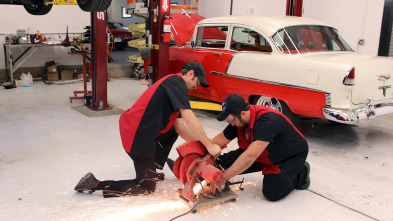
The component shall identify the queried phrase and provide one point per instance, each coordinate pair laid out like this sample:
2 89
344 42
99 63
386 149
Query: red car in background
120 35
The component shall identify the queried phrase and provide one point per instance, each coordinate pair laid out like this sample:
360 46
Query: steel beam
98 72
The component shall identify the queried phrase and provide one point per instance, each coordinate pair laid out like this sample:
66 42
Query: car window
299 39
212 36
244 39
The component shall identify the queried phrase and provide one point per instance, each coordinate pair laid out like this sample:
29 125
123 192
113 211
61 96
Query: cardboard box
52 68
66 75
52 76
49 63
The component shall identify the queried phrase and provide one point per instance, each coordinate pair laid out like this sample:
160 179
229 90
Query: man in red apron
268 142
149 129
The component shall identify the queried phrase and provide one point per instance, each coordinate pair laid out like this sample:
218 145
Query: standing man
149 129
268 142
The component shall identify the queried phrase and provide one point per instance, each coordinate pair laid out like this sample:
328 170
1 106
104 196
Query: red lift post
98 71
159 49
294 8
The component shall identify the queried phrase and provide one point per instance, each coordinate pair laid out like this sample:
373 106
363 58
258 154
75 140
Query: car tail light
349 79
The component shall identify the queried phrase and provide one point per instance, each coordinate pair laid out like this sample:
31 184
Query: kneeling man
268 142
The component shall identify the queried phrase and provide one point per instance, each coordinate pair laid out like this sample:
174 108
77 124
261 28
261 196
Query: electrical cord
195 204
62 83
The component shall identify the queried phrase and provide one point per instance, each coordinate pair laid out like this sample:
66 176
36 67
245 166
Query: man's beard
243 123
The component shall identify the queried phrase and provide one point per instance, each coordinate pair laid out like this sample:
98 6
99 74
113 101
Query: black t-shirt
139 125
286 145
171 95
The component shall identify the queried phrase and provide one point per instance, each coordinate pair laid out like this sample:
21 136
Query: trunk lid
373 74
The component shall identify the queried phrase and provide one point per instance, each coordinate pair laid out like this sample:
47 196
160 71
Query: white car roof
268 24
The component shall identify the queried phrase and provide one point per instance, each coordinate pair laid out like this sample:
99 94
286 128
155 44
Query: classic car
120 35
296 65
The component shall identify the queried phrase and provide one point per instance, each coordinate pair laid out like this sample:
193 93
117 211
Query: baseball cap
233 104
198 70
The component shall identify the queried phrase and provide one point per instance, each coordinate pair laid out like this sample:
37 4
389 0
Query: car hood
372 73
183 25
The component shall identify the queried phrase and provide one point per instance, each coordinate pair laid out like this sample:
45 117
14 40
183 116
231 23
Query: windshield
309 38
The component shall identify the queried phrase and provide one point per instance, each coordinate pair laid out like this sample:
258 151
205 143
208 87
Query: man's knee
272 195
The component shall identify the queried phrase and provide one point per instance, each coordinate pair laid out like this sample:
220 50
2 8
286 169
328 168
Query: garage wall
15 17
354 19
216 8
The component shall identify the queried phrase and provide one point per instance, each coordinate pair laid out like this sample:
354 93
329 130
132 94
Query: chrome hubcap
270 102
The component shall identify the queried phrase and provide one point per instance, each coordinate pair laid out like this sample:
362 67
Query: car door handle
217 53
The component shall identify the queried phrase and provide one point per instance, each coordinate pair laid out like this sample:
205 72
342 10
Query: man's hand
214 150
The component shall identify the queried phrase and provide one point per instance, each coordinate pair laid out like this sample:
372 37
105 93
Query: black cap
233 104
198 70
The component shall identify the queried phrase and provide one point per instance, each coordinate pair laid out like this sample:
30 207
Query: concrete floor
47 146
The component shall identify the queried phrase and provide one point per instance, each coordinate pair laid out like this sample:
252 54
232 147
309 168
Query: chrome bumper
353 116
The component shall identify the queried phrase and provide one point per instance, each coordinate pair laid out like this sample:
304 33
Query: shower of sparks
144 210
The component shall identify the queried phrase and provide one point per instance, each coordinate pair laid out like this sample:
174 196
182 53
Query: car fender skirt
355 115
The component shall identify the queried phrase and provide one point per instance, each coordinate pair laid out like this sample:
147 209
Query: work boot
170 163
307 181
88 182
160 177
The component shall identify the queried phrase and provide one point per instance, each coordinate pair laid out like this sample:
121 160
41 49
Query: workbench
12 64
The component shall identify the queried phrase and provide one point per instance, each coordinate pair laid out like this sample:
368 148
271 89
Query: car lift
98 64
99 61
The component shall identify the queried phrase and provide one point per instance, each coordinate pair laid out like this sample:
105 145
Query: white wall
259 7
354 19
15 17
208 8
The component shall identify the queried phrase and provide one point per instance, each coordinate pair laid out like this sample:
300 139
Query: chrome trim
328 100
353 116
267 82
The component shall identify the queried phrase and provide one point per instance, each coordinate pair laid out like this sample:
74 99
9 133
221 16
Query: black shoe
160 177
307 181
170 163
87 183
